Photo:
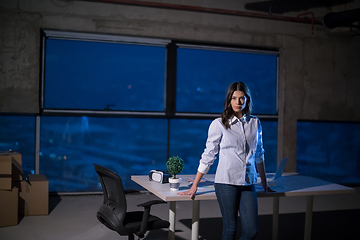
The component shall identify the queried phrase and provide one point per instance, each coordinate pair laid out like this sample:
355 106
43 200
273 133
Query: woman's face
238 102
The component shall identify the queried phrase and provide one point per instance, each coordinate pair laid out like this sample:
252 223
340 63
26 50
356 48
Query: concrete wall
319 73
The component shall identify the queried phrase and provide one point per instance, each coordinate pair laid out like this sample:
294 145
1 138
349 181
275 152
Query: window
329 150
104 76
203 75
71 145
103 72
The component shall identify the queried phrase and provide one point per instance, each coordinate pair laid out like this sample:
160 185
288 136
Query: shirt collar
235 119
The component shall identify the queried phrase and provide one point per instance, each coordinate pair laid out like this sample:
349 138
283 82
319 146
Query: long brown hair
228 112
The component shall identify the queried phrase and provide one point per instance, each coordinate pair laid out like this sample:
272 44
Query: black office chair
113 212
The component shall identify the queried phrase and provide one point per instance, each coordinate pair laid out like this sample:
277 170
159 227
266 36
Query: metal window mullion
280 111
277 83
171 61
42 71
100 112
37 145
170 88
168 139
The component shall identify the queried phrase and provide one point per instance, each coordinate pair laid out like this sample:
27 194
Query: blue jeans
233 199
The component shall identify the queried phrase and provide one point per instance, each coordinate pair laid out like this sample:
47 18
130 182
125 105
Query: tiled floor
74 218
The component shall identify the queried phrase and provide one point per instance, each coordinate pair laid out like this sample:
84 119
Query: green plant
174 165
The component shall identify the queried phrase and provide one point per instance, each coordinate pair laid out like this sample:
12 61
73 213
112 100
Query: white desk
290 184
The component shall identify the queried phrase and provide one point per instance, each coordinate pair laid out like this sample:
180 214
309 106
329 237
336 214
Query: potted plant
174 166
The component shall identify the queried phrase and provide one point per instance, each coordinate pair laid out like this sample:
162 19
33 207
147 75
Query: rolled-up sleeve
259 155
212 147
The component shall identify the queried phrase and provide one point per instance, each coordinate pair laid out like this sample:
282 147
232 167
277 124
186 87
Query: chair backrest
114 207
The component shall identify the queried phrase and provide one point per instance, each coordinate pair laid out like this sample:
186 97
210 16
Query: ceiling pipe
312 19
342 19
211 10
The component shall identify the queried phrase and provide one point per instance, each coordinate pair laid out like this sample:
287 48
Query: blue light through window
204 75
329 150
71 145
100 75
17 134
187 140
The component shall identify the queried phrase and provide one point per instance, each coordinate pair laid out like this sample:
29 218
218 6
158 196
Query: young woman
237 137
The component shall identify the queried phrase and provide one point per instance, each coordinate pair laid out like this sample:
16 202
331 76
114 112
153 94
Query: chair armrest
150 203
130 191
146 215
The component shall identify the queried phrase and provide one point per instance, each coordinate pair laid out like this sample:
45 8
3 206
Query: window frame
66 35
230 48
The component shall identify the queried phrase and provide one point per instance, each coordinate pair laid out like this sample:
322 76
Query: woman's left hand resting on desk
267 189
261 170
193 188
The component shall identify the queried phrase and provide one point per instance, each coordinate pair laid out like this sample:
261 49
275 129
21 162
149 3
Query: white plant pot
174 183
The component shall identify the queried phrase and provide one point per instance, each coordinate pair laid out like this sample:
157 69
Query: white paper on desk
205 182
267 179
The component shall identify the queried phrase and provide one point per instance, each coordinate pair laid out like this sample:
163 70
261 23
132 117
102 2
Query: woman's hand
190 192
264 183
193 188
267 189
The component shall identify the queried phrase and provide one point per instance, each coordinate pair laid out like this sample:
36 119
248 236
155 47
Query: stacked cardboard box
34 196
9 207
20 196
10 172
10 169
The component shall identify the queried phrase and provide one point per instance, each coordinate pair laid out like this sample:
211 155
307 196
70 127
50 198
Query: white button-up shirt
239 148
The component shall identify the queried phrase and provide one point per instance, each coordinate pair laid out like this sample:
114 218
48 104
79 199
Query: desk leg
195 220
172 220
308 217
275 230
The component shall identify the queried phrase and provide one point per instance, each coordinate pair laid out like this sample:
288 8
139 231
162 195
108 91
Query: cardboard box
16 171
15 155
34 196
5 172
9 207
10 169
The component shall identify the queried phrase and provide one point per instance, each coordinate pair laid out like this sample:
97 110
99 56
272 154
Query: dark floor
74 218
342 224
